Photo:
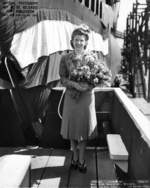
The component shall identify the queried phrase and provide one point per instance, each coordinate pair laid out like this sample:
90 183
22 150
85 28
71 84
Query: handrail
140 121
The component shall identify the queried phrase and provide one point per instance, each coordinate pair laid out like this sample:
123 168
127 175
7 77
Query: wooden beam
90 3
83 2
99 1
95 6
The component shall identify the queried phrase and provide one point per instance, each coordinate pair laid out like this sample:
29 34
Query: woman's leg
74 148
82 166
82 147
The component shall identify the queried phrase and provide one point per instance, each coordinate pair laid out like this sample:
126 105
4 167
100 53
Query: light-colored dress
79 115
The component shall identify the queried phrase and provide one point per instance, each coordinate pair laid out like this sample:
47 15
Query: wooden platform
51 168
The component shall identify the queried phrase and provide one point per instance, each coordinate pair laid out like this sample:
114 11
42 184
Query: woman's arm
72 84
66 82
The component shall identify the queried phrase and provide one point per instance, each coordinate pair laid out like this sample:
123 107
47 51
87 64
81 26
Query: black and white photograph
74 93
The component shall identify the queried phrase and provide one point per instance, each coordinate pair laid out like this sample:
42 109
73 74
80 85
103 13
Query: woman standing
79 115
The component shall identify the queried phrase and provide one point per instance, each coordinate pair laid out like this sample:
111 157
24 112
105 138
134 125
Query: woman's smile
79 42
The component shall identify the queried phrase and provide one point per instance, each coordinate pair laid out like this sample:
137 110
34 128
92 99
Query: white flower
96 80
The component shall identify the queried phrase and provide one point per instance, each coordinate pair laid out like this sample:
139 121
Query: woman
79 116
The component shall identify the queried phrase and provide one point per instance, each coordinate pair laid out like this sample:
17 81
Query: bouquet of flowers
90 70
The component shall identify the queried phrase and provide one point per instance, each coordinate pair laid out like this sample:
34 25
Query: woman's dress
79 115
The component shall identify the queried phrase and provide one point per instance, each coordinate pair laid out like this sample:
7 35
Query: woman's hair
81 30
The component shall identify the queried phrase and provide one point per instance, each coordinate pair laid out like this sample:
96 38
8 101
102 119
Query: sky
125 9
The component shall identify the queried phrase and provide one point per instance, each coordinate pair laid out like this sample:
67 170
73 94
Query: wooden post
148 97
95 5
101 10
83 2
99 1
90 2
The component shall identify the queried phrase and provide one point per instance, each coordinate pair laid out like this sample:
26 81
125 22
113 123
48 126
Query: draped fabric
46 14
36 101
35 74
7 27
10 71
4 84
108 18
45 71
48 37
7 31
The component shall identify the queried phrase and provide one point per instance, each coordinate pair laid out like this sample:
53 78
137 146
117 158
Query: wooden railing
94 5
134 128
99 10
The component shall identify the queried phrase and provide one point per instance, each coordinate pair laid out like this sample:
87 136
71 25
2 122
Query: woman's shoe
74 164
82 167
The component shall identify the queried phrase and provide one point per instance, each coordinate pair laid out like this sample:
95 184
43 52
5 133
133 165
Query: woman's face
79 42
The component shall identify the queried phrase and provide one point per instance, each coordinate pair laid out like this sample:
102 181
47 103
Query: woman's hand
82 86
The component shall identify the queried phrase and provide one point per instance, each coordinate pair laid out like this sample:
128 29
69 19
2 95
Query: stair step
117 149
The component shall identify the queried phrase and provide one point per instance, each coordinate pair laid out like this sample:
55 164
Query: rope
59 104
11 79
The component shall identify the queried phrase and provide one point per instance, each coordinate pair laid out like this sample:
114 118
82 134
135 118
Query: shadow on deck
51 167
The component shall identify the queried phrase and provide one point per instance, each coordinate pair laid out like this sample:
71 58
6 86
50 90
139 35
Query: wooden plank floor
51 168
88 179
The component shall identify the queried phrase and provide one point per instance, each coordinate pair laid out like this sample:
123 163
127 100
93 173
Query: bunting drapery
48 37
